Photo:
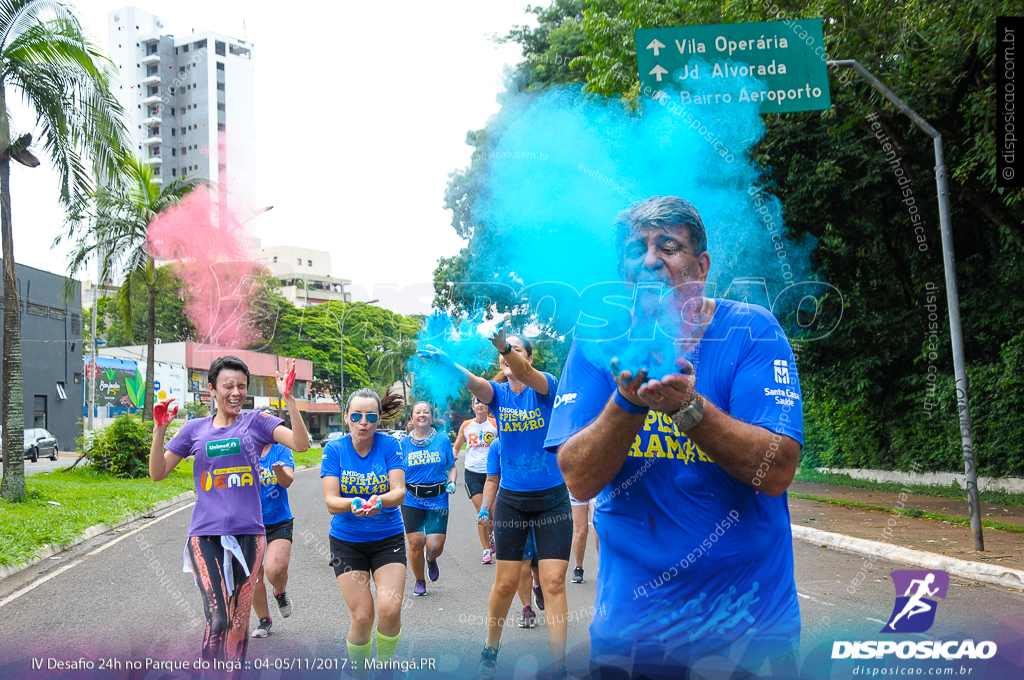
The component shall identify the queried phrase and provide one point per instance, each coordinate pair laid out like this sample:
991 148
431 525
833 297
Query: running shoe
529 619
487 557
561 674
488 663
577 575
432 570
420 589
262 630
539 594
284 604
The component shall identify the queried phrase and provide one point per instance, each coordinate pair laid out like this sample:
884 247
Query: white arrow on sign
657 71
655 45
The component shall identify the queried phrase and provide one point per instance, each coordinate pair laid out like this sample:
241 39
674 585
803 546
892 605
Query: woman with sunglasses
226 539
363 476
531 495
476 435
430 478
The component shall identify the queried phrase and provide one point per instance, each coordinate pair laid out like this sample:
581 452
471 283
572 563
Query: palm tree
389 364
47 59
115 229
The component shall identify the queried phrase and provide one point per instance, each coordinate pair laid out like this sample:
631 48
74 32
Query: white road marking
15 595
814 599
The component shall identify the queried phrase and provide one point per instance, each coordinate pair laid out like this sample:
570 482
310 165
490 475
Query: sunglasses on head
370 417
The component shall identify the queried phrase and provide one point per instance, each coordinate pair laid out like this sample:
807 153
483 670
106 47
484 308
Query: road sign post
679 60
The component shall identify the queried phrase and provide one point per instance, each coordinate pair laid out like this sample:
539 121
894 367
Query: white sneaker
487 557
263 630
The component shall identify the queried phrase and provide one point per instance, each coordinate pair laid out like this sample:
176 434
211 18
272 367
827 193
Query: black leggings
547 512
227 614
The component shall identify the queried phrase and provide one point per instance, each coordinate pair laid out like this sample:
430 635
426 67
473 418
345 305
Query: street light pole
952 295
341 348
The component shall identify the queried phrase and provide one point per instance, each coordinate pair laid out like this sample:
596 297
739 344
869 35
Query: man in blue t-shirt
690 470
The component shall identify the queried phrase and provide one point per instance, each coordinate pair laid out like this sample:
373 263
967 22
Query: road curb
93 531
986 573
97 529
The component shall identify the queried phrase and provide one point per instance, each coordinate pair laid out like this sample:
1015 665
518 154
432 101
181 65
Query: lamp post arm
952 294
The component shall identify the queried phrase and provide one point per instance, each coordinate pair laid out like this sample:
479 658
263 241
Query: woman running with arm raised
226 539
531 495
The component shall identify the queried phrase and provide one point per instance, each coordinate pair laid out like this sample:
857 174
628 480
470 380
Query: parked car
331 437
39 442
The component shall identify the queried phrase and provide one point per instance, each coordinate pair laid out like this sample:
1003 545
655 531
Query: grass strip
951 519
85 498
309 458
954 490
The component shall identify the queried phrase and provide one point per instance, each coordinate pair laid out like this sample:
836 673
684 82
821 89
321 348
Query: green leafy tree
312 333
865 385
114 227
47 60
172 324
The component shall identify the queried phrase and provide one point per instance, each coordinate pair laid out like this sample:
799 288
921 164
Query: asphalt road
107 599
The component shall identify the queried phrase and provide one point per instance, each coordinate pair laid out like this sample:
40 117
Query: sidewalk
64 459
1003 548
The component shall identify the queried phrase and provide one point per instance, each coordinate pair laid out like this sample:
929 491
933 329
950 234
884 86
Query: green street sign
789 56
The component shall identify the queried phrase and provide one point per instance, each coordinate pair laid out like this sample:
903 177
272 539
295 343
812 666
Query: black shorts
370 556
281 530
474 483
418 520
547 512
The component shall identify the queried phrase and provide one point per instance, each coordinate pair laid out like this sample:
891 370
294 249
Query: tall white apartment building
190 102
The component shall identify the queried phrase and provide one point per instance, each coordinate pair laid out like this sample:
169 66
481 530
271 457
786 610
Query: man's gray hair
662 212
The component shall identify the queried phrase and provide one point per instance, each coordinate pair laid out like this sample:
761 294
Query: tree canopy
867 386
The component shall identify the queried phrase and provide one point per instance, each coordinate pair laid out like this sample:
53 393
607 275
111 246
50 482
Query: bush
196 409
893 432
122 448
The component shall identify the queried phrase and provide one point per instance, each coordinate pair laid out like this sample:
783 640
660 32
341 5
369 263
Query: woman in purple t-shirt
227 521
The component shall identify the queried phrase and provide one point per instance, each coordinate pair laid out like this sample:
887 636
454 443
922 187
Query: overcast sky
361 112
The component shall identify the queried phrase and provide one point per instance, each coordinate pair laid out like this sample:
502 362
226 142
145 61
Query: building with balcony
305 274
180 94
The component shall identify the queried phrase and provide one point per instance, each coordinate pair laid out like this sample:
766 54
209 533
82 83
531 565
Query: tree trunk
12 403
147 404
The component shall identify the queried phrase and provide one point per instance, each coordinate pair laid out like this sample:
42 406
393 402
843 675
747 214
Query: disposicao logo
914 612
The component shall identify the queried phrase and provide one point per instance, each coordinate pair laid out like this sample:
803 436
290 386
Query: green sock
386 645
358 654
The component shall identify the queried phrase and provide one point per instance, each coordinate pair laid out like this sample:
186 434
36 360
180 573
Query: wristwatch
508 349
690 414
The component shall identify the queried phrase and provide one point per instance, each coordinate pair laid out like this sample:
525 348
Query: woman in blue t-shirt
531 494
430 476
277 472
363 476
